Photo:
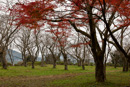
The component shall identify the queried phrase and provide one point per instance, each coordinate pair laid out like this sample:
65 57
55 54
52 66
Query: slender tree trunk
33 61
99 70
115 64
3 60
12 62
42 62
54 62
25 63
78 62
11 57
24 60
83 66
65 63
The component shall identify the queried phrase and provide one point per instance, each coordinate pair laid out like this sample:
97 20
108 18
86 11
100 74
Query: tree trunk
3 60
79 62
12 62
105 70
54 63
42 62
25 63
65 62
129 66
83 66
33 65
11 57
99 70
125 65
115 64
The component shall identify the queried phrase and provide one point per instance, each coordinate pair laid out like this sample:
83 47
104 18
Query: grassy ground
74 77
41 71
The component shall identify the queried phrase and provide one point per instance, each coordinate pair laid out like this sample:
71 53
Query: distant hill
17 56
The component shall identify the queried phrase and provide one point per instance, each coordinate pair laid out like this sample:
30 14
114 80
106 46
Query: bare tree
7 33
22 43
121 36
10 53
52 47
33 48
43 48
80 50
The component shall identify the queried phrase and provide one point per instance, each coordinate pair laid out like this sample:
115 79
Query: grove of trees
80 28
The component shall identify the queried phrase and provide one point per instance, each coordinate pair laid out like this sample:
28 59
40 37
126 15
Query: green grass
115 78
20 76
40 71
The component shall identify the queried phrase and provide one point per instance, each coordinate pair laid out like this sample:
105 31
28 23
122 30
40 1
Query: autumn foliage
60 32
32 14
35 14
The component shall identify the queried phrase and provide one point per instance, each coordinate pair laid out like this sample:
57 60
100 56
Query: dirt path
48 77
34 81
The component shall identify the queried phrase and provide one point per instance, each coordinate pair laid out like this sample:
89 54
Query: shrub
19 64
91 64
109 64
86 64
28 63
60 62
36 63
9 64
70 63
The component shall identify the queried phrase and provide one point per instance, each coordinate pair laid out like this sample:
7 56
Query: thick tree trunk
54 63
105 70
65 62
128 66
3 60
125 66
115 64
66 66
83 66
99 70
